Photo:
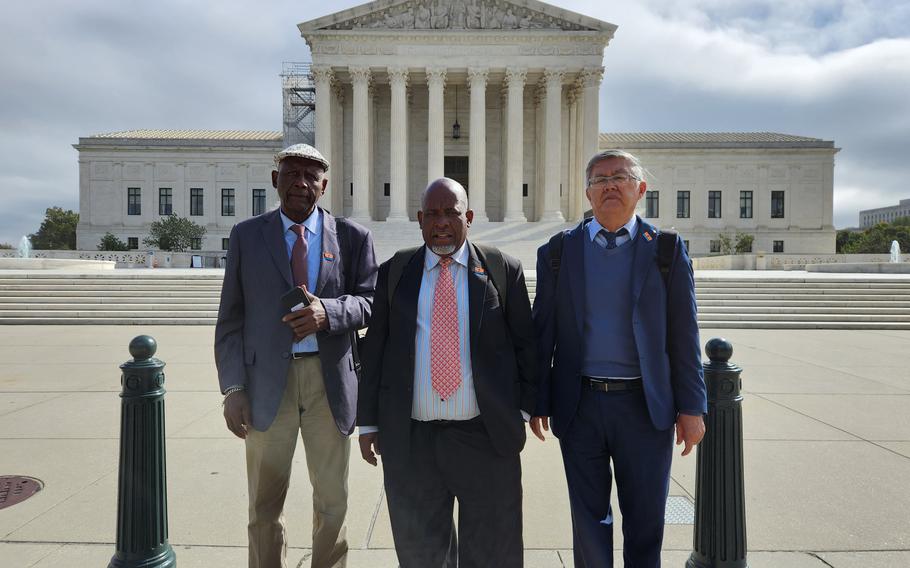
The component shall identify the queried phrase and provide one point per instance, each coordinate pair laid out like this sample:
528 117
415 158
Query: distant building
129 179
870 217
507 103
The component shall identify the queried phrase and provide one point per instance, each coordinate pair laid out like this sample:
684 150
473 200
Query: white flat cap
304 151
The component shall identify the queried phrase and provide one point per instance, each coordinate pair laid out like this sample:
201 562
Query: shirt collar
594 227
311 223
460 256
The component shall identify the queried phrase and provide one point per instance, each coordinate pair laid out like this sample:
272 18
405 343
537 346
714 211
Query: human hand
538 422
308 320
237 413
689 429
369 447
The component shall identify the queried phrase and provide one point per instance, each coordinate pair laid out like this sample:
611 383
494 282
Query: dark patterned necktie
608 240
299 257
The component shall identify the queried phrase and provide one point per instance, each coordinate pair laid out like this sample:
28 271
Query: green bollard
719 539
142 485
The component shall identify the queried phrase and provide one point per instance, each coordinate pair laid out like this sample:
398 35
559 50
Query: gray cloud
834 69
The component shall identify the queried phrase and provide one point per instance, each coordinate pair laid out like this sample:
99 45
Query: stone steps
161 297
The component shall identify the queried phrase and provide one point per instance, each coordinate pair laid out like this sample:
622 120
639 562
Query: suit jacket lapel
273 235
405 299
477 290
645 251
573 256
330 258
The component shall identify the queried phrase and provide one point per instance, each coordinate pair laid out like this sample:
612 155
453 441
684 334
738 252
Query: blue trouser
616 426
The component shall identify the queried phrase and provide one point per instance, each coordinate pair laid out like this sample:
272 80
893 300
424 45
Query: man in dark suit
282 373
449 374
619 363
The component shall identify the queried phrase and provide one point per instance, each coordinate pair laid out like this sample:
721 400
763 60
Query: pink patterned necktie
299 256
445 353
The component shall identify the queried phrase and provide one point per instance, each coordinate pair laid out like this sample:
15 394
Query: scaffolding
298 92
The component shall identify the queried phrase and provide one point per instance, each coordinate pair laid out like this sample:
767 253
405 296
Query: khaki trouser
304 407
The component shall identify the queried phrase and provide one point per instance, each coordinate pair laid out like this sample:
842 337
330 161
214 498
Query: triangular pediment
479 15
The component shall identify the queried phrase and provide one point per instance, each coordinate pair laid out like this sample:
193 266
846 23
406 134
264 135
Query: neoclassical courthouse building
503 96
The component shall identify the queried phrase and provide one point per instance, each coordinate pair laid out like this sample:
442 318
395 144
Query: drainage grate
680 511
17 488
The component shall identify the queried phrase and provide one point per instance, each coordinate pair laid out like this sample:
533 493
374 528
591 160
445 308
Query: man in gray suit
286 371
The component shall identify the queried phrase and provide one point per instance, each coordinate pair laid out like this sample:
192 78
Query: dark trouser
616 426
448 462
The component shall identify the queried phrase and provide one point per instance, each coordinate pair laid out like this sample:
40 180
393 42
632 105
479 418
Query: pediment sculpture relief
457 15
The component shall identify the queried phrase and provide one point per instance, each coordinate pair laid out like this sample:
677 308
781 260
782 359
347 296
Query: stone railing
130 258
764 261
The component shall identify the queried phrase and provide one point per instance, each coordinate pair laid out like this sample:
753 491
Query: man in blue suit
619 365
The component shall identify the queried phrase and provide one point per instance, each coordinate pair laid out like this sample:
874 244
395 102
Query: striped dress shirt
427 405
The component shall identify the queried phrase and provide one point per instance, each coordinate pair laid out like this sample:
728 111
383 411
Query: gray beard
443 250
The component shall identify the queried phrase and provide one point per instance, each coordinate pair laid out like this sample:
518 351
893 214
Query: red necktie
299 257
445 354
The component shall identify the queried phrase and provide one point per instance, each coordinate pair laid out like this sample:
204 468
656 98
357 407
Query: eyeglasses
603 181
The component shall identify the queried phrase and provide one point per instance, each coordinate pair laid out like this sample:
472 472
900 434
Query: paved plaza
827 455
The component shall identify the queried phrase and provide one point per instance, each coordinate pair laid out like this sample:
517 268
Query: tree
173 233
5 246
726 243
877 239
57 231
847 238
743 243
110 242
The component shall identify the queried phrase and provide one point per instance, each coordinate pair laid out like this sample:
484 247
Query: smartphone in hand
295 299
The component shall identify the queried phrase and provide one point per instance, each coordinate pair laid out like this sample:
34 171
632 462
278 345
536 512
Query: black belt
304 354
445 423
611 385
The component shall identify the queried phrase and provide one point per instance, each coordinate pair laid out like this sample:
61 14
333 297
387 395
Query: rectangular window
524 190
196 243
165 201
777 204
652 204
132 242
745 204
686 245
227 202
715 246
778 246
387 189
714 205
196 201
258 201
133 201
224 243
682 204
352 188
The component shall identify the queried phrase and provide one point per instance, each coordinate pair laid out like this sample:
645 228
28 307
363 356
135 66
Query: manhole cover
17 488
680 511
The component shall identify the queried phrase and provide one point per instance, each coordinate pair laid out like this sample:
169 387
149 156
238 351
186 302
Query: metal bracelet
231 391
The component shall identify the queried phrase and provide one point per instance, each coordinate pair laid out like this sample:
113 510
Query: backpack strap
396 267
491 258
555 250
666 250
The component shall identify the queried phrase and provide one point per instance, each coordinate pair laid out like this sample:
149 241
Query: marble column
398 139
552 162
436 81
515 80
591 77
323 77
336 202
360 204
577 183
477 152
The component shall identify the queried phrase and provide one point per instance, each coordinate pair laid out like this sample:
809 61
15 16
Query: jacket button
285 355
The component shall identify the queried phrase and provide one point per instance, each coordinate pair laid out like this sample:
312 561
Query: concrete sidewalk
827 454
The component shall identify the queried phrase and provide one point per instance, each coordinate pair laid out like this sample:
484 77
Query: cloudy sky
832 69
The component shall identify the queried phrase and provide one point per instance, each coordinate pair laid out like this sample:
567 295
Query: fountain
24 249
895 252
